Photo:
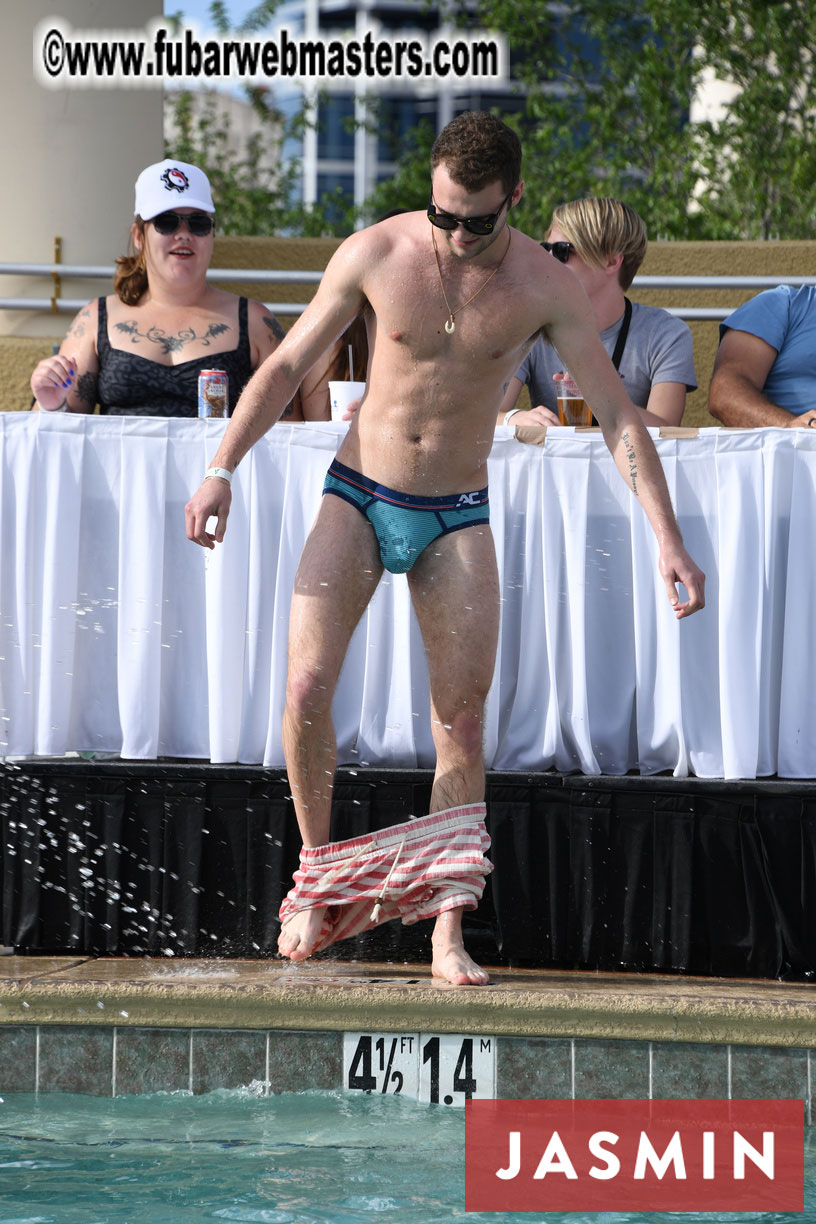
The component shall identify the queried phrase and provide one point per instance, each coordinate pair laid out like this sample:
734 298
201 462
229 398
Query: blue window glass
396 117
335 128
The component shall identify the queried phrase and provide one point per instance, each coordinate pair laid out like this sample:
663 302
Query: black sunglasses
474 225
561 250
199 224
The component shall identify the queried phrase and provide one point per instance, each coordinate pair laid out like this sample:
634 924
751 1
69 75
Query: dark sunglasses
474 225
199 224
561 250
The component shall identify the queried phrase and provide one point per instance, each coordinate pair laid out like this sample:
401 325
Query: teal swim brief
404 524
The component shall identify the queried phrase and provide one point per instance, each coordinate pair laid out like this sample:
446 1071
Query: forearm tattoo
171 344
86 389
631 459
275 327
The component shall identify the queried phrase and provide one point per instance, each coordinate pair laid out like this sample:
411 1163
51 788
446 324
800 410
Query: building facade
356 135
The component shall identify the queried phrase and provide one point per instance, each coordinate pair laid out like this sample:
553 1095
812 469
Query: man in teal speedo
454 299
404 524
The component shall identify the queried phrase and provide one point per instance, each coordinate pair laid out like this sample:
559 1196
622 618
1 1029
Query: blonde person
139 351
603 243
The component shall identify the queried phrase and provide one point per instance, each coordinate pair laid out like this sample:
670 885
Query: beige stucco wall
70 156
18 355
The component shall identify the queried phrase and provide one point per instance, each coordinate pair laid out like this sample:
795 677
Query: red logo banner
634 1155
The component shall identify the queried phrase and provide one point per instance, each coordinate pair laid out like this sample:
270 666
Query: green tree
759 162
408 187
604 109
250 197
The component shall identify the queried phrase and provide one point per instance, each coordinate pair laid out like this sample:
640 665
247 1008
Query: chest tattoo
171 343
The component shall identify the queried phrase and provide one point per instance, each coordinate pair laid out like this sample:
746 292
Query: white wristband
220 473
508 415
62 408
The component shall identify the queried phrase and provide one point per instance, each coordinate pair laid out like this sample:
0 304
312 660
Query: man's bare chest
465 321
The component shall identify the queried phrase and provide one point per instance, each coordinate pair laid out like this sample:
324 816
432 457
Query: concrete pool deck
112 1025
332 994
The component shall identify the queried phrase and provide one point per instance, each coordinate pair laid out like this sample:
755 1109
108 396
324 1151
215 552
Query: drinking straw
351 365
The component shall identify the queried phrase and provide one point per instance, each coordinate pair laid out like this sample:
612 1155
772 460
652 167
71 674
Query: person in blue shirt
765 371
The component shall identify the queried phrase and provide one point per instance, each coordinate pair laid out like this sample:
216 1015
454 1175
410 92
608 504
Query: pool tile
76 1058
683 1069
611 1069
768 1071
18 1059
531 1068
299 1060
152 1060
227 1058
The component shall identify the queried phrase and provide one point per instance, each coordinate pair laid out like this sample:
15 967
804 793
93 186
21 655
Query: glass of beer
572 408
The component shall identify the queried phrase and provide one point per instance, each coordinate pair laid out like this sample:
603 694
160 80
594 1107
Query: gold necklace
450 322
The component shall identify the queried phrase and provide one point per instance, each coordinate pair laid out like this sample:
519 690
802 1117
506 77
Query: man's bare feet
301 933
450 960
456 967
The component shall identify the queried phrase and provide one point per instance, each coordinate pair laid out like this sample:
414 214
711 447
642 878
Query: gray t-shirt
658 349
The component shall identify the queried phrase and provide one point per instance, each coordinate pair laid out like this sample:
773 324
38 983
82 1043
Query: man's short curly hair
476 149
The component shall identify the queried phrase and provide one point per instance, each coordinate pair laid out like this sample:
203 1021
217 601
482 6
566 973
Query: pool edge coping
522 1004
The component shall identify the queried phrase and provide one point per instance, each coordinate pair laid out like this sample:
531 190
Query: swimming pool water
306 1158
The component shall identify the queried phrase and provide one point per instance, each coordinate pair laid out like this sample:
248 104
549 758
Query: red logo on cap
175 179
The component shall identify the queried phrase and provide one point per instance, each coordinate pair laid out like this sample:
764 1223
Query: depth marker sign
440 1069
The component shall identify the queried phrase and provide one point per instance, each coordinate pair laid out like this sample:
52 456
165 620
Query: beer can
213 395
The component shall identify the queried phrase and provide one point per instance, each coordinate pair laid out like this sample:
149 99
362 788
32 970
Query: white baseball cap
170 184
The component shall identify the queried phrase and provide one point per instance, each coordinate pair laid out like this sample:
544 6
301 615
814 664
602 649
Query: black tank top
132 385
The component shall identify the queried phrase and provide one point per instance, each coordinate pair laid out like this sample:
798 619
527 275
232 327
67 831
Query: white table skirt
118 635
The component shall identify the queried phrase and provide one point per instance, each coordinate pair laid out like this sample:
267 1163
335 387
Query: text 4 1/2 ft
438 1068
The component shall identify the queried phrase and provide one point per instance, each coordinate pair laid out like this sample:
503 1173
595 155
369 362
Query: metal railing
714 282
61 305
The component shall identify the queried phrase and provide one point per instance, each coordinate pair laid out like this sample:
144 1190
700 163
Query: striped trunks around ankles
411 871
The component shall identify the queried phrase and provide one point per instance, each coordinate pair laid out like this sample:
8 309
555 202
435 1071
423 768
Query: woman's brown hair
130 276
356 336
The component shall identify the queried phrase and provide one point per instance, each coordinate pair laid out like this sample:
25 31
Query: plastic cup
341 394
572 407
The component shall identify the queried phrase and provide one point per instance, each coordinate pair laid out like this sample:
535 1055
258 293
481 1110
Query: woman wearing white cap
140 350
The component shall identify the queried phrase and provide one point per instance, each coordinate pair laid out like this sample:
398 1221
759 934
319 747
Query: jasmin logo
635 1155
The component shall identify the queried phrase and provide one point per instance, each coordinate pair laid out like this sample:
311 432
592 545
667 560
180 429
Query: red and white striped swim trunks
411 871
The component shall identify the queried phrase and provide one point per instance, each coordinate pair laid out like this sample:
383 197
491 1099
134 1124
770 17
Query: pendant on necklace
450 326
